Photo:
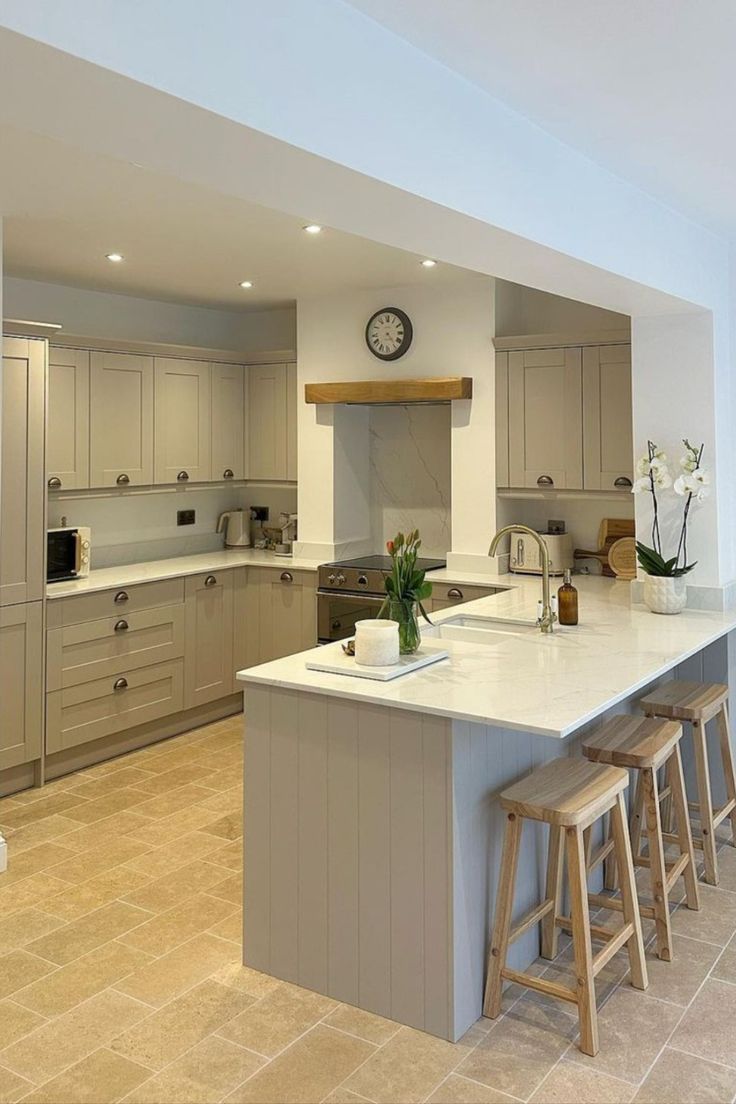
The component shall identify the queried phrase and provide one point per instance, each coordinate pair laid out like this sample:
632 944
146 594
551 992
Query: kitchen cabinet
608 447
121 420
502 419
228 421
209 637
182 408
21 683
545 418
246 645
272 417
67 428
22 471
445 595
287 612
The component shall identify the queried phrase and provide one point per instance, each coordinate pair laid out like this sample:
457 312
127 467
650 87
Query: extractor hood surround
434 389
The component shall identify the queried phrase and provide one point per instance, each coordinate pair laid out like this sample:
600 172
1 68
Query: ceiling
646 89
64 209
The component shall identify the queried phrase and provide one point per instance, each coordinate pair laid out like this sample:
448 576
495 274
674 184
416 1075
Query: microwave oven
67 553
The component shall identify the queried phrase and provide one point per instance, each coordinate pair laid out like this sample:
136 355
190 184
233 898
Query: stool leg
502 923
629 898
657 870
636 820
582 947
676 782
705 803
555 854
728 768
609 863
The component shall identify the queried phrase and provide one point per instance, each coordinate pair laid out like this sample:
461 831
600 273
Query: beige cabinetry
21 684
607 429
246 645
445 595
22 471
228 421
121 420
272 417
545 419
67 424
209 637
182 405
287 612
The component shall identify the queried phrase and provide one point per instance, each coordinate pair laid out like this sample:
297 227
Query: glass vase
404 611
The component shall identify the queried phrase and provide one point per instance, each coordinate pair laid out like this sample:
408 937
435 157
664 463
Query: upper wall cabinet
607 430
182 430
67 431
228 421
121 420
545 419
272 404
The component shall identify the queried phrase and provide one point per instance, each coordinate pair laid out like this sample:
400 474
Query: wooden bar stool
647 744
569 795
697 703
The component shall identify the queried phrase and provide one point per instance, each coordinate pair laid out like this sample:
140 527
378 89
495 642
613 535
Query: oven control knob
331 579
362 580
340 579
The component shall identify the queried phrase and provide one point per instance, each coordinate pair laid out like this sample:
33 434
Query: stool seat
686 701
635 742
565 792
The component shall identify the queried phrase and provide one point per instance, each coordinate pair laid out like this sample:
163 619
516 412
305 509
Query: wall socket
259 513
185 517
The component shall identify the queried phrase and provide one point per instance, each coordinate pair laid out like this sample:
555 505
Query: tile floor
120 974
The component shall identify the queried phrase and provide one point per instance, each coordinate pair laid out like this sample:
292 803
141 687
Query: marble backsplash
410 475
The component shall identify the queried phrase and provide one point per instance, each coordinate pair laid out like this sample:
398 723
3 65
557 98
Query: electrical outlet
185 517
259 513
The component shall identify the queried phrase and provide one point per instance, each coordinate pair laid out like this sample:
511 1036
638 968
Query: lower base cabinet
445 595
287 612
208 648
21 684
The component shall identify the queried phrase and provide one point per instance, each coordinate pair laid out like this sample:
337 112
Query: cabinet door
208 662
67 424
502 419
22 482
545 419
21 684
267 422
245 622
287 613
182 404
228 421
291 422
607 418
121 420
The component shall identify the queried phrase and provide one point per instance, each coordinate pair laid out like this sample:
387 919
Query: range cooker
351 590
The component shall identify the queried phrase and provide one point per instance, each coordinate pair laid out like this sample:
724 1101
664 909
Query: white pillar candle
376 642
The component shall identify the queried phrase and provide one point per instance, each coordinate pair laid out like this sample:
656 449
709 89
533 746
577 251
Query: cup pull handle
121 626
454 592
123 480
54 483
545 481
120 684
228 473
287 577
622 481
182 477
210 581
120 597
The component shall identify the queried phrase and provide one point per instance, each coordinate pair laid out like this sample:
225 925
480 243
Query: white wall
526 310
99 314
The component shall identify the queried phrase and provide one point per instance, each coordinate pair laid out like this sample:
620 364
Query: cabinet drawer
119 601
97 649
79 714
453 594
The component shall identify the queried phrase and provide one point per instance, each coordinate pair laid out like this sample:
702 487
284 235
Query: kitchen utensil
236 524
622 558
609 531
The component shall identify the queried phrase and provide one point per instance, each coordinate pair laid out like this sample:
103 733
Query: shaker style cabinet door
272 418
228 421
121 420
545 419
21 684
67 423
22 472
208 664
182 429
502 419
287 612
607 426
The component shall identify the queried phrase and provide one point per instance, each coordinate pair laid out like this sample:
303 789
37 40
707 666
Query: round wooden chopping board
622 558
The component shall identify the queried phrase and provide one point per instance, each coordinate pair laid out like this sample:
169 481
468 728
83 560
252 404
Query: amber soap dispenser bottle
567 600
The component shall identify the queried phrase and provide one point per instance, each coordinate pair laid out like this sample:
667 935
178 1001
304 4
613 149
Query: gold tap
547 620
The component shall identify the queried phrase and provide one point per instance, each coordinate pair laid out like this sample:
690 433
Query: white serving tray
335 662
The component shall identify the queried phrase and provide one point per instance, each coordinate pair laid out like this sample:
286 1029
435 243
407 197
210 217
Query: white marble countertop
127 575
546 684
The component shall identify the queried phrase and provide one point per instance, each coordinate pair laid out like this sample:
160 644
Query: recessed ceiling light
428 263
116 258
312 228
246 284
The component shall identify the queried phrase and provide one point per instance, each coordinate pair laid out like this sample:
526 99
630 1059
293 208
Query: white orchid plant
692 484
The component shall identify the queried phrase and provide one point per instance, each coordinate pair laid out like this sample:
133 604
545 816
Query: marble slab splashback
410 474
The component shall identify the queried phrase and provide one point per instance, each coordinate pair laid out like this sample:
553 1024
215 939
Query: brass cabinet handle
454 592
210 581
120 597
123 480
228 473
545 481
622 481
287 577
121 626
182 476
54 483
120 684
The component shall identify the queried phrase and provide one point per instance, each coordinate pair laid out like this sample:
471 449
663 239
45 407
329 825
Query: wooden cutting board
622 558
609 531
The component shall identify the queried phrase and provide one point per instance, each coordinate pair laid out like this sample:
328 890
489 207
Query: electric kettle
236 524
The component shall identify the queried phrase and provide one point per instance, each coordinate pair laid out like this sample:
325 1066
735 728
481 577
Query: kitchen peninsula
373 829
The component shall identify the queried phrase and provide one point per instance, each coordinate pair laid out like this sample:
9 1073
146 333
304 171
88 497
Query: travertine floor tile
570 1081
29 893
79 937
163 893
633 1028
231 927
676 1076
716 920
166 930
12 1087
41 857
168 803
19 968
100 832
16 1021
88 864
40 831
92 788
102 807
164 860
23 927
459 1090
678 981
220 780
100 1078
162 979
81 979
167 781
341 1095
76 901
44 807
228 827
230 856
252 982
307 1071
203 1075
278 1019
374 1029
706 1029
724 969
156 833
230 889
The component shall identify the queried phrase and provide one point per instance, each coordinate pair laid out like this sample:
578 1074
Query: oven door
63 554
337 613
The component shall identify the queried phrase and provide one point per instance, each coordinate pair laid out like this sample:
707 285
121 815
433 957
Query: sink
480 630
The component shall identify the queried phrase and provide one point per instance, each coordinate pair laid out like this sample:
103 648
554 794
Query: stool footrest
532 917
722 813
615 943
600 855
596 931
551 988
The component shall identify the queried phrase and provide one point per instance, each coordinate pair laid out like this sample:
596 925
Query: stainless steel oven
337 614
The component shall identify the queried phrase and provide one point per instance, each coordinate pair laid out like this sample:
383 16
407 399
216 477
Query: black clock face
389 333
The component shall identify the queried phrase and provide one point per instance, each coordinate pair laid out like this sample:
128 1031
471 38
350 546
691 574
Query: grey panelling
343 902
284 834
374 874
257 835
313 850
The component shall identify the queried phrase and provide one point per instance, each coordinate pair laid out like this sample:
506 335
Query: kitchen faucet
546 620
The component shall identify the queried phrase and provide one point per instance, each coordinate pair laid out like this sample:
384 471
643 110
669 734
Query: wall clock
389 333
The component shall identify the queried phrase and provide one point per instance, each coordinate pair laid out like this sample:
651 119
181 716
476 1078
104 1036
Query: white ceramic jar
664 594
376 642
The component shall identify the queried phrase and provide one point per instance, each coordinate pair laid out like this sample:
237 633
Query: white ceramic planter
376 642
665 595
